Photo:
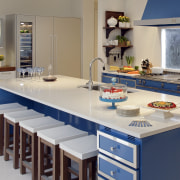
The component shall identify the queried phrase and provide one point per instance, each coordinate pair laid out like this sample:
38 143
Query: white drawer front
113 170
118 149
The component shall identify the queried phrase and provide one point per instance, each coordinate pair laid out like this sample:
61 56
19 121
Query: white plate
128 110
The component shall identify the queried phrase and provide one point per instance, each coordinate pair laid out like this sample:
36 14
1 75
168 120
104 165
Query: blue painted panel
78 122
106 167
156 9
160 156
129 83
122 150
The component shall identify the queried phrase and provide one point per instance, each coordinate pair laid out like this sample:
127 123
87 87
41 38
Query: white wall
60 8
145 40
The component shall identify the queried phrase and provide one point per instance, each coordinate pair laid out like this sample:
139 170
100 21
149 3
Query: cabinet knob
140 81
113 148
112 173
144 82
162 85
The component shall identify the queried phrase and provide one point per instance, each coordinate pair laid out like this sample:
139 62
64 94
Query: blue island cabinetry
125 157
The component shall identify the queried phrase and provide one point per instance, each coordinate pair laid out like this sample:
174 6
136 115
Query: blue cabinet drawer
118 149
108 79
128 82
113 170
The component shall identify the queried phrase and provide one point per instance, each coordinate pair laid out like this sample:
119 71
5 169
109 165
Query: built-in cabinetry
129 81
145 84
109 29
39 41
58 42
157 86
122 156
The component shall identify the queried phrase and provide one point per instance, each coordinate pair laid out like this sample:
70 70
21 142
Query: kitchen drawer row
145 84
124 157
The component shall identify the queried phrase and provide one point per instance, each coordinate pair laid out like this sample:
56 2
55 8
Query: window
170 45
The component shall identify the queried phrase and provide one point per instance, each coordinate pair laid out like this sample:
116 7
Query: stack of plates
128 110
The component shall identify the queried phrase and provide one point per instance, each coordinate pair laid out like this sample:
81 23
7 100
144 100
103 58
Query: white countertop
64 95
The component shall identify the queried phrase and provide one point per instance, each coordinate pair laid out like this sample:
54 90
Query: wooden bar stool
13 118
4 108
83 151
30 128
52 137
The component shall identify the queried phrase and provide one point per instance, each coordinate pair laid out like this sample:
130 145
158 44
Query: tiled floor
7 172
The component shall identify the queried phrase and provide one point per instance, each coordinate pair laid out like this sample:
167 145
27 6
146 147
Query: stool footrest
27 165
9 151
73 171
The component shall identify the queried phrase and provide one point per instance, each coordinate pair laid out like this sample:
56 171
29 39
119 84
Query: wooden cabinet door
44 42
67 46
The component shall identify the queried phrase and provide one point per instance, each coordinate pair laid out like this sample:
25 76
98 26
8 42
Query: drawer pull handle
113 148
112 173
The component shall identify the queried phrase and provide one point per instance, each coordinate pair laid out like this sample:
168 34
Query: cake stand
110 89
161 114
113 101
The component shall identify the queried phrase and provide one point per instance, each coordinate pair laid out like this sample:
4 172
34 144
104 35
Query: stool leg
65 163
83 170
92 170
1 133
16 146
34 156
6 139
22 150
56 161
40 158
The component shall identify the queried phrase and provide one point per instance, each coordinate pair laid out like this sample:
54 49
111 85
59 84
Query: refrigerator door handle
55 54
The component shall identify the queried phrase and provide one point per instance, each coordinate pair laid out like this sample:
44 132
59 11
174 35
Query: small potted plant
121 21
122 40
129 60
127 22
1 59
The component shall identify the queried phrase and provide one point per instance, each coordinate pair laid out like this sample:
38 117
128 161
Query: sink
96 87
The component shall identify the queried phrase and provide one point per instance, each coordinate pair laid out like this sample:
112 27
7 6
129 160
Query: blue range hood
160 13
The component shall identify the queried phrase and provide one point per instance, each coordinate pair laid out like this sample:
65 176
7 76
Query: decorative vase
112 22
122 24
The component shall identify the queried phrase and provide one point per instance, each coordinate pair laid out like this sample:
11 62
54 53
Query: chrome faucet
90 82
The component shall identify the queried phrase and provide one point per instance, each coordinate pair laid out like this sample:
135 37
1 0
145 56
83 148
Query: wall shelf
123 49
108 30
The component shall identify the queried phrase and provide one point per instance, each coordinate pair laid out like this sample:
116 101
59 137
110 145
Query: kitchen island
156 149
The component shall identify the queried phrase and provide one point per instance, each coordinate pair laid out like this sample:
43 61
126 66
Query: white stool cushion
60 134
34 125
22 115
82 148
11 107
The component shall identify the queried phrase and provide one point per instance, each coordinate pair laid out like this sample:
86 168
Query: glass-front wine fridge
20 40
